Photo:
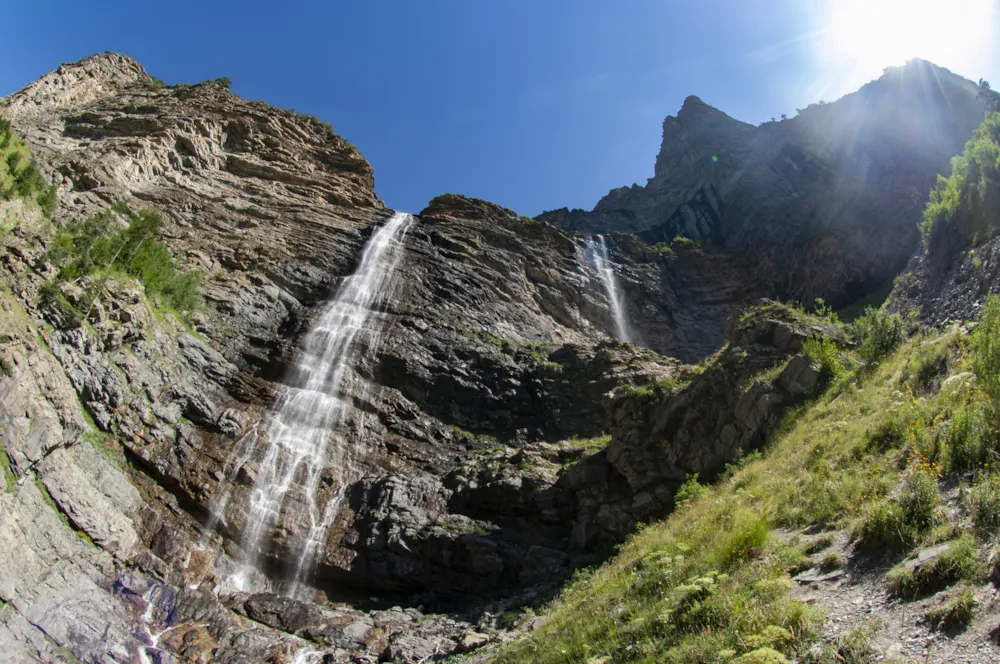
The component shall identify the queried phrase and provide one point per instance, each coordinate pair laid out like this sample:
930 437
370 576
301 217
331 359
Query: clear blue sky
533 104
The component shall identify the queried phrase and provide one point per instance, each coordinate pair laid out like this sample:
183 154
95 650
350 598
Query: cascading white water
597 253
300 432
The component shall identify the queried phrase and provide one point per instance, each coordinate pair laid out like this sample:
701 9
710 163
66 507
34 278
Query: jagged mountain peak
797 199
75 83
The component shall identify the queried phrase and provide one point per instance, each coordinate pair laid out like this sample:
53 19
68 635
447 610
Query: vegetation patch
868 455
9 480
984 502
19 176
51 502
822 351
964 208
956 613
116 242
877 333
959 562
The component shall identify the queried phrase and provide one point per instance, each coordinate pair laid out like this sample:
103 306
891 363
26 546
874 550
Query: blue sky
533 104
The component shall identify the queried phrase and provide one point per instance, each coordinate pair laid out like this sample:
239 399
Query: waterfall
597 253
300 433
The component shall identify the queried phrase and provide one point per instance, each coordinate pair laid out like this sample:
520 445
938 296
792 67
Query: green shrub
883 525
968 442
954 614
964 208
773 636
832 561
890 433
823 310
70 315
919 498
959 562
984 351
119 240
984 503
762 656
690 490
824 352
223 82
877 334
744 540
930 362
857 646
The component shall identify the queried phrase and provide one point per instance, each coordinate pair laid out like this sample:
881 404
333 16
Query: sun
868 35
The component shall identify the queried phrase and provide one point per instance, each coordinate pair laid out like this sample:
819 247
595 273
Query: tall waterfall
301 436
597 253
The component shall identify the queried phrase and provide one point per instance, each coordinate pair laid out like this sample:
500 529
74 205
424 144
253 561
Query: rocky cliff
477 420
499 435
824 204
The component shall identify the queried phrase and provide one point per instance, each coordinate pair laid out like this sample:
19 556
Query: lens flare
867 35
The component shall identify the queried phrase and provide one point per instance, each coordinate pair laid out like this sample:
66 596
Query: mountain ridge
824 204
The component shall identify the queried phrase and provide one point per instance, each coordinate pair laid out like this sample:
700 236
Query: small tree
877 334
223 82
988 96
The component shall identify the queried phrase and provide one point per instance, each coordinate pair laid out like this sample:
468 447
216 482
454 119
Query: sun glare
868 35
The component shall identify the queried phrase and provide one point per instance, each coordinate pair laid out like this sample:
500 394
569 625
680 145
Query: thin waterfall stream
300 436
597 253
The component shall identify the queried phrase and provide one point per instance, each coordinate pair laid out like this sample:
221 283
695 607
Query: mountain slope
863 532
824 204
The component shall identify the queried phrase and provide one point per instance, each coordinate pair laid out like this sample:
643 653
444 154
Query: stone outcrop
660 436
824 204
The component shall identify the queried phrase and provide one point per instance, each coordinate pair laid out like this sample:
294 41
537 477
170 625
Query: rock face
824 204
477 419
661 436
482 469
269 204
933 293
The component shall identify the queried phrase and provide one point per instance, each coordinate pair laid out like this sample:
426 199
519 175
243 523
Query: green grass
866 457
597 443
959 562
51 502
482 436
107 447
19 176
956 613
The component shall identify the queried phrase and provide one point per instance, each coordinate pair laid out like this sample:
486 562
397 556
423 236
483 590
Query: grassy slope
712 582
